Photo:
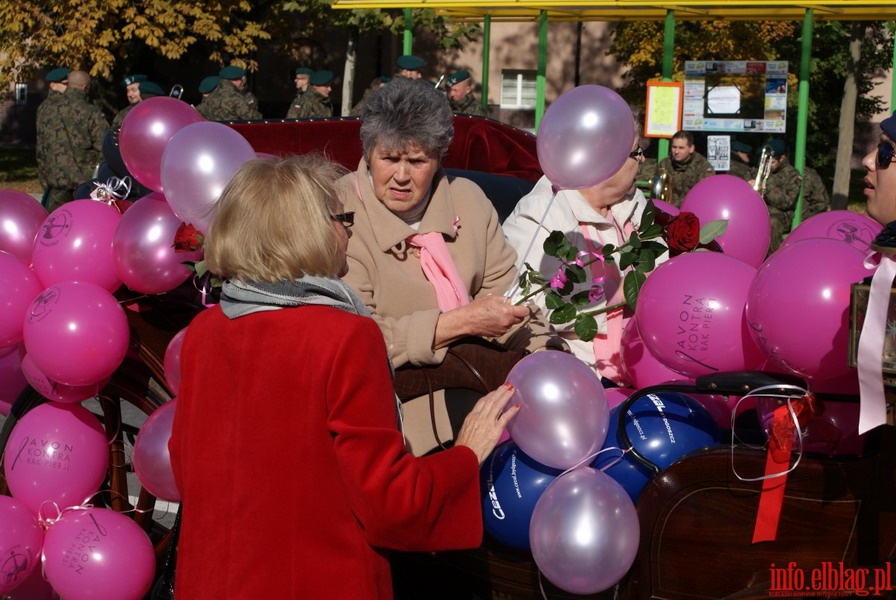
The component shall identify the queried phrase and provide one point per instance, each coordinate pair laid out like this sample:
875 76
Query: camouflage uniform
468 106
314 105
69 144
293 111
815 194
685 174
741 169
359 105
226 103
119 118
781 192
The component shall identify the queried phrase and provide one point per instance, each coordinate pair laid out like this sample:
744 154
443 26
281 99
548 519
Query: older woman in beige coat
427 254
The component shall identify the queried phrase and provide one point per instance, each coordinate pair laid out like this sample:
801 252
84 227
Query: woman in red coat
294 474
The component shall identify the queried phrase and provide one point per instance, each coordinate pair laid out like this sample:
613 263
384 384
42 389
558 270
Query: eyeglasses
347 218
885 154
638 154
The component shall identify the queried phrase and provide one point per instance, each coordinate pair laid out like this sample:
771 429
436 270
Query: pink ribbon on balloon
872 403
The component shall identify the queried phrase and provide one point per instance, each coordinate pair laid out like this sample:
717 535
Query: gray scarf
244 298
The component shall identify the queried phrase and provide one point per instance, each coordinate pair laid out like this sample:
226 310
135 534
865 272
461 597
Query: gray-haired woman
428 256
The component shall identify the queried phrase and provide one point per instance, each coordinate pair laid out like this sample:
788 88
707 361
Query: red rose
188 238
683 233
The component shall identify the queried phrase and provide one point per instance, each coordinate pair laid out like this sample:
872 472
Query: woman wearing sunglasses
880 179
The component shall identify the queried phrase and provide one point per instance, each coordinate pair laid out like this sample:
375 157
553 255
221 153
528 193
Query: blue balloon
511 484
662 427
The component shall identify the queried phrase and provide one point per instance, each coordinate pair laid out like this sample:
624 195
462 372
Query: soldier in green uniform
740 162
460 93
685 166
226 102
781 192
376 84
206 86
316 103
70 142
131 85
48 123
815 194
301 79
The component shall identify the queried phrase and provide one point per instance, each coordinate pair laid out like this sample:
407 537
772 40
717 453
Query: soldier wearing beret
782 189
740 161
131 84
815 193
316 102
460 93
685 166
409 66
226 102
69 142
301 77
376 84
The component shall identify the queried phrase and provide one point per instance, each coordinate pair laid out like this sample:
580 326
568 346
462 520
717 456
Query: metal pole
486 50
408 31
802 114
542 66
668 53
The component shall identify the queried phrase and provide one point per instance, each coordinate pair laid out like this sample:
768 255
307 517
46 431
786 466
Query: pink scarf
440 270
607 346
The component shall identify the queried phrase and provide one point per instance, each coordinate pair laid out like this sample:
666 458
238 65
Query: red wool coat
293 475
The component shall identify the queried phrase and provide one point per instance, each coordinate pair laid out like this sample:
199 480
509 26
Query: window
517 88
21 94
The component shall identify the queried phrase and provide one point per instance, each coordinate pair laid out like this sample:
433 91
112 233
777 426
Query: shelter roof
640 10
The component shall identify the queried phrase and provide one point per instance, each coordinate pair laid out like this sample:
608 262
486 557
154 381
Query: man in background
409 66
460 93
226 102
301 79
131 85
740 161
685 166
316 102
782 189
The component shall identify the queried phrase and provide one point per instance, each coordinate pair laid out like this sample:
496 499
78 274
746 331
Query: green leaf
646 262
576 274
634 240
554 242
580 299
553 300
627 259
712 230
564 314
201 269
586 327
631 286
652 231
648 216
608 249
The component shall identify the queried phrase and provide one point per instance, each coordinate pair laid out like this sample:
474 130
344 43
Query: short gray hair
407 112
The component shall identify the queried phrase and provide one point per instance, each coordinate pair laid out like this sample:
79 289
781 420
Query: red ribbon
777 464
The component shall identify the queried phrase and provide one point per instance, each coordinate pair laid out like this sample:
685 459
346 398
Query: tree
95 36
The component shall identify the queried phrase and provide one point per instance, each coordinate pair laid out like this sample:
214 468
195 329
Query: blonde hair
272 221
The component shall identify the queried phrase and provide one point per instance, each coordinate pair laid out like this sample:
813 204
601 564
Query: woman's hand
488 316
486 422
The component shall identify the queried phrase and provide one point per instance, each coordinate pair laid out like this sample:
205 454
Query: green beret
457 78
304 71
232 72
208 84
741 147
136 78
57 75
409 62
385 78
778 147
153 89
321 78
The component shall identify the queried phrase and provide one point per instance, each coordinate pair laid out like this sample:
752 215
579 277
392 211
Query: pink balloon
33 587
846 226
75 244
143 248
76 333
146 131
56 453
21 539
584 532
669 209
798 307
12 380
617 395
98 553
833 431
731 198
20 218
197 163
20 286
171 364
152 462
563 417
690 314
585 136
641 367
58 392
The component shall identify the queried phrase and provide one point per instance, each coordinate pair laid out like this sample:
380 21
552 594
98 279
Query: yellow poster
662 116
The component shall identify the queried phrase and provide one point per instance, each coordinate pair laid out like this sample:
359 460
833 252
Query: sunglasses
885 153
347 218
